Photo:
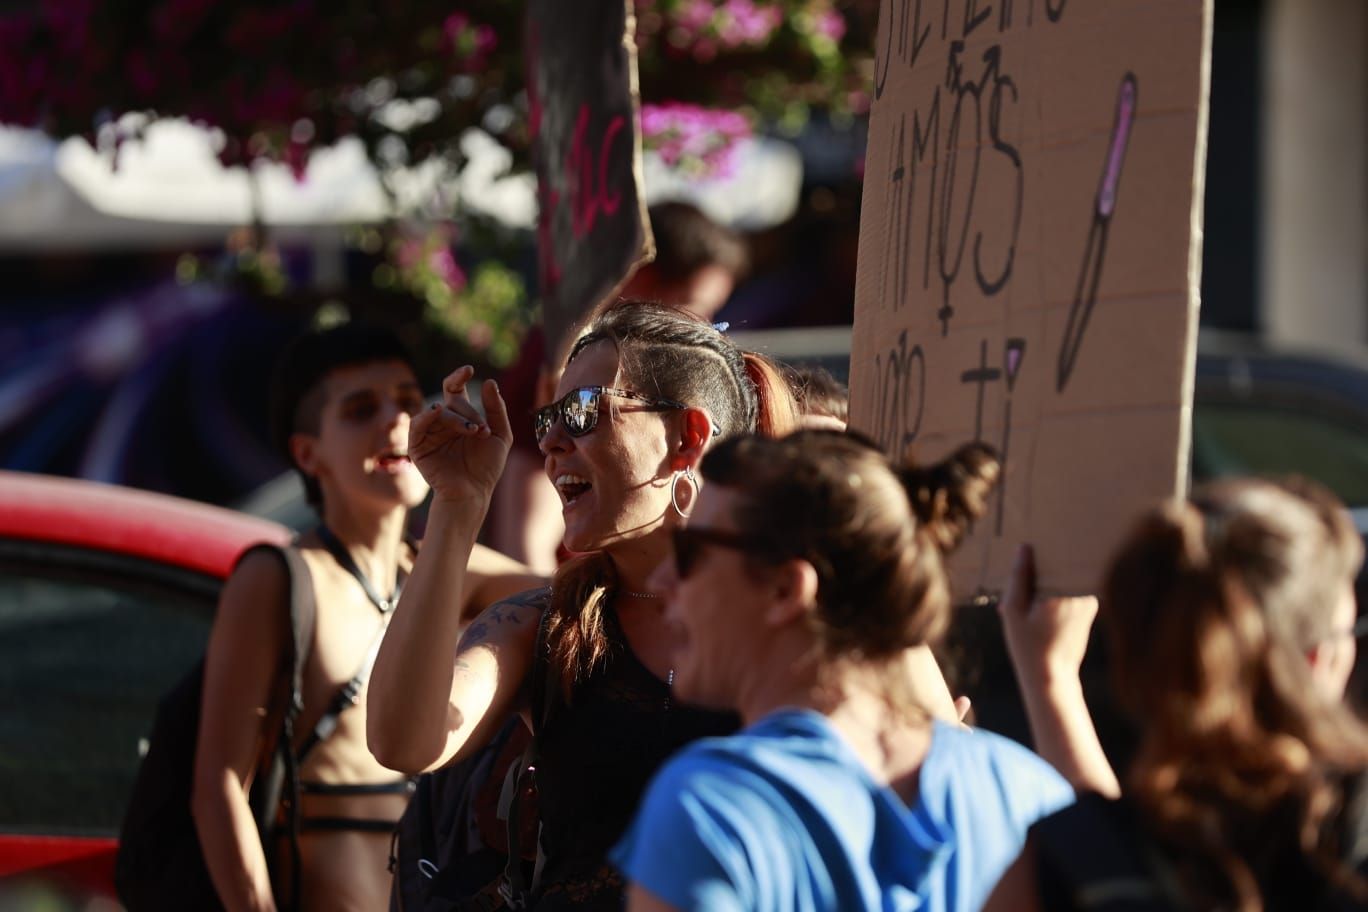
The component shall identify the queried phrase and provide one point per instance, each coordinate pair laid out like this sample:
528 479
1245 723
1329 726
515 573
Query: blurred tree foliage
276 80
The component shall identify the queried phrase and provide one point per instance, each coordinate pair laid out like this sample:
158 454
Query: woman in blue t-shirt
807 570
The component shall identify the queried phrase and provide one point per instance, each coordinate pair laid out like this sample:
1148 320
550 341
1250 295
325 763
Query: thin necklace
645 595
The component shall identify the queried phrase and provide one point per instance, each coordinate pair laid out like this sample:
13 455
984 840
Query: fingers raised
496 412
454 393
438 424
454 383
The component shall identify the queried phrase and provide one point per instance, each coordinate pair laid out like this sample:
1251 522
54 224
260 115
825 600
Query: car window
88 643
1260 439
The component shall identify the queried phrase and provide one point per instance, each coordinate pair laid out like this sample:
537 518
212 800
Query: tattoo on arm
477 633
516 610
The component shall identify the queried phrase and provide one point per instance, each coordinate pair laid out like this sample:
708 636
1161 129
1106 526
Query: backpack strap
303 612
545 695
276 783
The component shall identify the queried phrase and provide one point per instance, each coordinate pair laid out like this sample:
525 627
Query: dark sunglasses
579 409
689 542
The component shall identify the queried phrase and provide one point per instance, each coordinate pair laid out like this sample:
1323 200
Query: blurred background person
342 402
823 400
1231 625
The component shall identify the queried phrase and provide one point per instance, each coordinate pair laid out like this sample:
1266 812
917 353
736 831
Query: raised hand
1046 637
459 453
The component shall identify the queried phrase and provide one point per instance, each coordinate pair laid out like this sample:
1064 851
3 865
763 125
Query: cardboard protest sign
1030 244
582 96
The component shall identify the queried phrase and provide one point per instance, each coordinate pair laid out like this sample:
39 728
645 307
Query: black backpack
160 865
441 857
468 841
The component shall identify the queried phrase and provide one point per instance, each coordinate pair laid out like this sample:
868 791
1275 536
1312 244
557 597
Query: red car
106 596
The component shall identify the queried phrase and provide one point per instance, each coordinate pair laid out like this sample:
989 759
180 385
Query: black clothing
1095 855
594 758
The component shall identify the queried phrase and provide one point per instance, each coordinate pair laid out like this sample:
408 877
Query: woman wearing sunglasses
1231 633
809 567
645 391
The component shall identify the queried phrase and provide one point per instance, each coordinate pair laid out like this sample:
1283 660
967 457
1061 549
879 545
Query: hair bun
948 496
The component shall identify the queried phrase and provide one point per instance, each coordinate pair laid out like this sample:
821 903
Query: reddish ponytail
777 411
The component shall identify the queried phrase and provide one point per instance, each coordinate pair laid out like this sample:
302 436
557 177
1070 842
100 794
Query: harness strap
347 562
345 698
350 693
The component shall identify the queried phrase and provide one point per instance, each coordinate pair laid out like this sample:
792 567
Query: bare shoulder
257 588
493 578
249 637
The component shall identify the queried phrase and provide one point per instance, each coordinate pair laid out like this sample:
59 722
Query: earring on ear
688 475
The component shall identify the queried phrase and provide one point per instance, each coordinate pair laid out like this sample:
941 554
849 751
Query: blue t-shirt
785 816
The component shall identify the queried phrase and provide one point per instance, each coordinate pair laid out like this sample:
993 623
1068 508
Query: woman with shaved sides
646 390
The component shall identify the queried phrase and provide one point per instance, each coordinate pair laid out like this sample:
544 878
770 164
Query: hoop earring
692 482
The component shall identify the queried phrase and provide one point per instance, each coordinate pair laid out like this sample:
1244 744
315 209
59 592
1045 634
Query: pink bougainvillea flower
445 267
830 24
698 141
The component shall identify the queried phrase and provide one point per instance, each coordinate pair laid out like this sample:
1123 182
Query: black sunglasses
689 542
579 409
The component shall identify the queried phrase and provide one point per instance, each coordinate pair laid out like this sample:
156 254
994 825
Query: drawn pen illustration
1095 253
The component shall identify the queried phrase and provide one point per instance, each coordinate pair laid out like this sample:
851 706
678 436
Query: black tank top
594 758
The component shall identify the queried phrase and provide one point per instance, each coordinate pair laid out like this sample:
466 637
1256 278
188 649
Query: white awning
169 190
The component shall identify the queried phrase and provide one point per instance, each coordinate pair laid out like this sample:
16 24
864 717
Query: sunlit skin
626 461
629 466
361 449
430 706
722 637
522 493
358 454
